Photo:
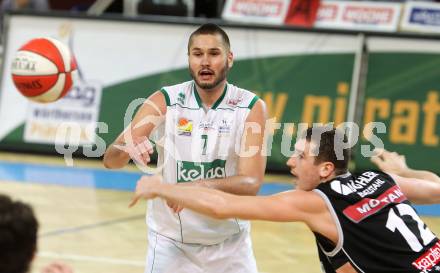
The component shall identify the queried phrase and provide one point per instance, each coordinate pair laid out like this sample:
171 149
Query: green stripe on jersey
253 101
167 98
217 103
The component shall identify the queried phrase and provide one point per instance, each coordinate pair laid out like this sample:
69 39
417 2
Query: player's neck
210 96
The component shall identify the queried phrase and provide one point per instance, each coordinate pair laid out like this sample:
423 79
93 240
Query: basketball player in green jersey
362 223
211 136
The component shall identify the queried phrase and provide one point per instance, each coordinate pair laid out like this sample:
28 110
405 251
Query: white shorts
235 255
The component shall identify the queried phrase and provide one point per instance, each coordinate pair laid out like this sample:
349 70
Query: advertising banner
256 11
79 108
403 93
421 17
302 13
354 15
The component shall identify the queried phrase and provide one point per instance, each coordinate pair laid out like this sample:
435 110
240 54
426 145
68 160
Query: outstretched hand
389 162
146 188
139 149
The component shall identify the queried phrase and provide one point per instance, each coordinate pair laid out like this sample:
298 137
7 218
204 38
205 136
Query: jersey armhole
253 101
333 214
165 94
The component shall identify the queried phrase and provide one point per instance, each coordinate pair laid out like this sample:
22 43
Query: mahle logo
189 171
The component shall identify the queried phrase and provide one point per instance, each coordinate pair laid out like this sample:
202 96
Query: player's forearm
205 201
238 184
114 158
426 175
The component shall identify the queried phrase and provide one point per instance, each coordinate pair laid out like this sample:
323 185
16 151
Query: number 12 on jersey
395 222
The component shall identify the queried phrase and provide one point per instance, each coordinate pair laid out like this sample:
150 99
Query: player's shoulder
177 93
240 97
176 88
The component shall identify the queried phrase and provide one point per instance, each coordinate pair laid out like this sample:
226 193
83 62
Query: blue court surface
116 180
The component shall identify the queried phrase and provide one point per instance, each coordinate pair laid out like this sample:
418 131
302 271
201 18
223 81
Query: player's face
209 61
302 165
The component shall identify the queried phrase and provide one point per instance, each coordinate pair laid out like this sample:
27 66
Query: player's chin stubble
209 86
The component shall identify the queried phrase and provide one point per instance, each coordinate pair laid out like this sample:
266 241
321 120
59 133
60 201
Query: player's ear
326 169
230 59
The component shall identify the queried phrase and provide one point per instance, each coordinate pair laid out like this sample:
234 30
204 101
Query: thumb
121 147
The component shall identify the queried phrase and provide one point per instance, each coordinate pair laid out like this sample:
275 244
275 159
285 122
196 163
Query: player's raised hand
390 162
138 148
145 188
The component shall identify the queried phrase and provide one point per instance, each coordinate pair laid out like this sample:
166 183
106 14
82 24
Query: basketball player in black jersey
363 223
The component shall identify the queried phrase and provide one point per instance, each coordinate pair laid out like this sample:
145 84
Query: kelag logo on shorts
188 171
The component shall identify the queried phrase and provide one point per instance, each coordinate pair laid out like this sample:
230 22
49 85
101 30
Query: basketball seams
64 52
54 92
67 84
49 50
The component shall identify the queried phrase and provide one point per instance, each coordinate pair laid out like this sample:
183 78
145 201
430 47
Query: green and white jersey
199 144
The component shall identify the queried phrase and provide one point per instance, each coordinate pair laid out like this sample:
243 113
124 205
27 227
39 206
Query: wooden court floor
93 230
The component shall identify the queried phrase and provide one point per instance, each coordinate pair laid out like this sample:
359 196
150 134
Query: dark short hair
328 145
18 235
211 29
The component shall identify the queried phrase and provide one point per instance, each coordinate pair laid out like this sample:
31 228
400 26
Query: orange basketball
44 70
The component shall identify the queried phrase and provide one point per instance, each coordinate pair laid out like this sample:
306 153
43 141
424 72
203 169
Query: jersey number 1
395 222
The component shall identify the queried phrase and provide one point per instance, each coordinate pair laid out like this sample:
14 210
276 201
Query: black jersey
379 231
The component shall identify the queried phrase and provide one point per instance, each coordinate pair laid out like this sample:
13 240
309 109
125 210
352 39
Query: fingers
138 151
378 151
377 160
134 200
147 146
175 207
145 188
390 161
57 268
179 209
384 154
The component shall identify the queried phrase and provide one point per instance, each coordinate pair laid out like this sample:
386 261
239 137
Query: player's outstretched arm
392 162
251 162
287 206
133 141
418 191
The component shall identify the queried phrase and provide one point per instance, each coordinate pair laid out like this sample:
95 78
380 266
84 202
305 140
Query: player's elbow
436 194
253 184
429 196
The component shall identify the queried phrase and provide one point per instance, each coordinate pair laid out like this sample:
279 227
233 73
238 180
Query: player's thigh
235 255
165 256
